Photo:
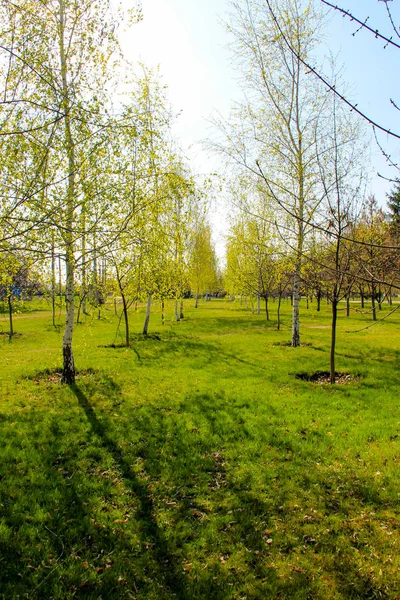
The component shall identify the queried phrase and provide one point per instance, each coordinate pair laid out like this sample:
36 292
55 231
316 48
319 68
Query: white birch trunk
68 373
295 312
177 317
147 319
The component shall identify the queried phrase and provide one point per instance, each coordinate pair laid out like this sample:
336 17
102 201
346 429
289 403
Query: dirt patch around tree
54 375
324 377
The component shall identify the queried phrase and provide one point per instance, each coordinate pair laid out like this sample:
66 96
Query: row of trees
92 184
365 263
299 159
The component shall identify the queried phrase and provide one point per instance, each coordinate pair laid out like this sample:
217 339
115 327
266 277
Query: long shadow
212 352
170 575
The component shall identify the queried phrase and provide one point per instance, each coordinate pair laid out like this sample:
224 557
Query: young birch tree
272 134
59 52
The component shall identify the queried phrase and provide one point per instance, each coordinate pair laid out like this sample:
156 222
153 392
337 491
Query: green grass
195 465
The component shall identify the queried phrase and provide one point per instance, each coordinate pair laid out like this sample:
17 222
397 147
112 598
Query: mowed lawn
195 465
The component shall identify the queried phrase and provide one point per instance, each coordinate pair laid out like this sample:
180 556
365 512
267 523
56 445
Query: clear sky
372 73
186 38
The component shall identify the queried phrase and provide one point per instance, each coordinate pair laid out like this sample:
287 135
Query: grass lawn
195 465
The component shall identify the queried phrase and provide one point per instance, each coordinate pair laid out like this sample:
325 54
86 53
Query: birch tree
57 51
272 135
203 275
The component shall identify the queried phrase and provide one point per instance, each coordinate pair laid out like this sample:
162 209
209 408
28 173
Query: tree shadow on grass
202 352
152 535
234 325
156 463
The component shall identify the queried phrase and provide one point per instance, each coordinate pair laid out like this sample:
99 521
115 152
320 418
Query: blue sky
187 40
372 74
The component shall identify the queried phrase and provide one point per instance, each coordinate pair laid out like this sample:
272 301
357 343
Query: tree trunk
59 280
279 312
319 301
373 292
10 316
78 314
333 338
177 317
295 314
182 316
266 307
147 318
68 373
53 281
83 249
197 299
258 304
380 295
362 298
347 304
162 312
126 320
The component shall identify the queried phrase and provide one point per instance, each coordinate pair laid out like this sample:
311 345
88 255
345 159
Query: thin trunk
115 307
258 304
95 273
59 280
380 295
333 336
197 299
79 311
279 312
295 313
126 319
373 290
83 249
68 373
10 316
266 307
300 205
177 318
53 281
362 298
307 303
319 301
182 316
162 312
347 305
147 318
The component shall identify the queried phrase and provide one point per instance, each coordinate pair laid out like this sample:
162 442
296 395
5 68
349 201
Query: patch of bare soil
8 334
324 377
289 344
54 375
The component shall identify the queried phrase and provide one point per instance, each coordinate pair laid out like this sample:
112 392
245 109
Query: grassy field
195 465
